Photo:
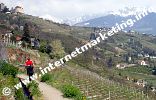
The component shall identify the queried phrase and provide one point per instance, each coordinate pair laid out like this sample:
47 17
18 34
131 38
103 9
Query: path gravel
49 93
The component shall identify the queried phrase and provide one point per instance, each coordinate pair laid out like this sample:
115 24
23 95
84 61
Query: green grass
139 69
92 85
140 72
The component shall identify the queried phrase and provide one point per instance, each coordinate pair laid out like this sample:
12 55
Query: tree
5 10
110 62
147 87
126 58
48 49
92 36
26 35
58 49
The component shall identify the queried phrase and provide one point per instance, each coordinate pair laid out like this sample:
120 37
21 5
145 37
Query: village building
5 37
146 55
142 62
153 89
129 59
35 43
121 66
18 10
124 65
140 55
141 82
32 39
153 57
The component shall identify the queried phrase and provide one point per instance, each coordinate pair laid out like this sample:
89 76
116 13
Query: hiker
29 68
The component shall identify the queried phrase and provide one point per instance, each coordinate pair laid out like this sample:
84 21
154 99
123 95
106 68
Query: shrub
19 95
52 56
48 49
71 91
8 69
80 97
46 77
34 89
42 48
58 49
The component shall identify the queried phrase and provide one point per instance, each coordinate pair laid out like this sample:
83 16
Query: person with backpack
29 68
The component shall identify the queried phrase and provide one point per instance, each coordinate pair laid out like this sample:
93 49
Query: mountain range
145 25
108 19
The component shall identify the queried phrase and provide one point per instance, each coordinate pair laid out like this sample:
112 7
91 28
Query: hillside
98 62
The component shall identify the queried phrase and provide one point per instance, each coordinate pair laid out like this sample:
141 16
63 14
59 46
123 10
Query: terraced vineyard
95 87
98 88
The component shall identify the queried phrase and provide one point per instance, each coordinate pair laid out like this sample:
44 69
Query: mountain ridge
145 25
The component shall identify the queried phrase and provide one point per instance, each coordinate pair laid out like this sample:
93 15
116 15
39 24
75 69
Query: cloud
74 8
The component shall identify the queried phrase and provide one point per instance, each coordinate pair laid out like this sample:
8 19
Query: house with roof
140 55
153 89
121 66
5 37
153 57
142 62
18 10
141 82
146 56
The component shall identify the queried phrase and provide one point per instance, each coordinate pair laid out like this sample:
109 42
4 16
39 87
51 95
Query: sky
74 8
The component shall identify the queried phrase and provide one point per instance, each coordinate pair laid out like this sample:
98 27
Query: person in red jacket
29 68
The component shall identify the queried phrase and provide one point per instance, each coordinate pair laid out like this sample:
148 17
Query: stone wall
3 52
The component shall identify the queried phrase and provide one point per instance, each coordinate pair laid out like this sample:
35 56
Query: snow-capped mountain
145 25
52 18
74 20
129 11
70 21
108 19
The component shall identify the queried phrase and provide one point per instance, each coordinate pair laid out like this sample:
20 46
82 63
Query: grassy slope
72 36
